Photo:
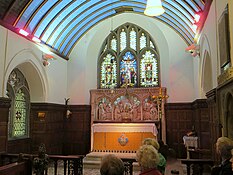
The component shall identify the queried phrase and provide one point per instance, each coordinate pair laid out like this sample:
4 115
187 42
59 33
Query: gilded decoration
127 104
225 76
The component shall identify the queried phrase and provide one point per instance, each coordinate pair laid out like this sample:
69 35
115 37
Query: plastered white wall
209 41
45 83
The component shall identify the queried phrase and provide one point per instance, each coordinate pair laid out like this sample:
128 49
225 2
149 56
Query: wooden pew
198 162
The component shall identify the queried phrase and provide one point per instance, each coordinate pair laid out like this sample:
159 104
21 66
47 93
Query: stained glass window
128 57
108 72
18 92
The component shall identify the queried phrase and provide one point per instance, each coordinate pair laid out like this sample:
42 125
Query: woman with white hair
148 159
162 161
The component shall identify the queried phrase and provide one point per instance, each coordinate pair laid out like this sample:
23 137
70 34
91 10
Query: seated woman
162 161
111 165
148 159
224 146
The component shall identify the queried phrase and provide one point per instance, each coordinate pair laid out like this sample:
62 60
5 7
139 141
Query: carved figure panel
150 110
126 105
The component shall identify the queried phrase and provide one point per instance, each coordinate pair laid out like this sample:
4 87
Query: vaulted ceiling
61 23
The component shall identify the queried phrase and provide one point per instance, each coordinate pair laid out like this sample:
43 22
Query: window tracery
18 92
128 58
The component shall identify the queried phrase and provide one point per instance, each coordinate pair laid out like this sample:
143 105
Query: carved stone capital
225 76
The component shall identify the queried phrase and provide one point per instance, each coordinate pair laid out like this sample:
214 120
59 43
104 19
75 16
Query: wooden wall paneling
48 129
77 130
224 96
19 146
202 126
179 119
214 121
4 112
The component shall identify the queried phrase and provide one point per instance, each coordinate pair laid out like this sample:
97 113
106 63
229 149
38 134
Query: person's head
221 142
111 165
147 157
223 147
151 141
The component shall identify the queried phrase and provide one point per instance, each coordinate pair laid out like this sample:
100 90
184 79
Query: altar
122 118
121 137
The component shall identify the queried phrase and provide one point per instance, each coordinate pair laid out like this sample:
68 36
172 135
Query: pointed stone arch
206 78
31 67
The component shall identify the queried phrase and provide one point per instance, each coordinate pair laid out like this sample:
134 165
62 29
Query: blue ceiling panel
61 24
51 16
49 30
28 13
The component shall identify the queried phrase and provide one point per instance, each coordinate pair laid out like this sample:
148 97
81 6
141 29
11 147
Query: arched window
128 57
18 92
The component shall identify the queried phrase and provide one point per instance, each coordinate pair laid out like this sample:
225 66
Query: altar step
93 159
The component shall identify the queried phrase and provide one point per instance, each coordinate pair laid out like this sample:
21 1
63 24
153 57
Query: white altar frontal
121 118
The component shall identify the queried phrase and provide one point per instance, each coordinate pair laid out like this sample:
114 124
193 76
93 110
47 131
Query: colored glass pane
128 70
19 119
142 41
149 70
122 40
114 44
133 37
108 72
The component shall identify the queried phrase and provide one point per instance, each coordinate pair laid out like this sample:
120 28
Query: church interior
99 76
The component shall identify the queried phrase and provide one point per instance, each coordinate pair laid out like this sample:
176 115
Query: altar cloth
125 127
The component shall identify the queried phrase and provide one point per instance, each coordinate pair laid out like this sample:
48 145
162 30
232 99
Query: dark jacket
223 169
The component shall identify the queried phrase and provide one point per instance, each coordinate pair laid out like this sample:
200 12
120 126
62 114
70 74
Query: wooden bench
198 162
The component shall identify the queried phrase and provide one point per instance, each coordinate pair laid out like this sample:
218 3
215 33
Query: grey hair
111 165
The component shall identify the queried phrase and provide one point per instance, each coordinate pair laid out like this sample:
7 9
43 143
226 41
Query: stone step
93 160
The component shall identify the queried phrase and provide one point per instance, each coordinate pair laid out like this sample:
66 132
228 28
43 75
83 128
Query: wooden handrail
72 163
14 168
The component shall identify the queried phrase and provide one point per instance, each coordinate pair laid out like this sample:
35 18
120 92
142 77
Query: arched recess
31 67
206 69
207 79
228 118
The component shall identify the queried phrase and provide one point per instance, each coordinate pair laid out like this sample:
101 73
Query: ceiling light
37 40
23 32
154 8
197 17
